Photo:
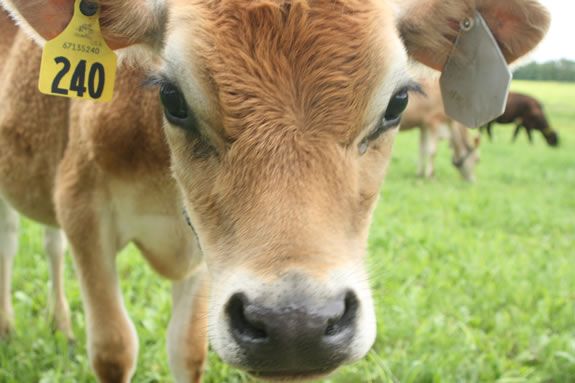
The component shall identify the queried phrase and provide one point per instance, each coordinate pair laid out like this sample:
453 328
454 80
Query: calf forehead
255 65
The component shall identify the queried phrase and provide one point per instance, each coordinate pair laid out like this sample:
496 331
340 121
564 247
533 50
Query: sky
559 43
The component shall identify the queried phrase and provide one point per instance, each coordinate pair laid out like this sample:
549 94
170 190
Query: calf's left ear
429 28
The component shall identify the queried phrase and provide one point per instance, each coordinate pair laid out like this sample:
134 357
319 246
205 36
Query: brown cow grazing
274 134
426 113
528 114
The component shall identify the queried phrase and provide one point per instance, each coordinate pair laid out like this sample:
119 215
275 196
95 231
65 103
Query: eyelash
413 87
381 128
158 81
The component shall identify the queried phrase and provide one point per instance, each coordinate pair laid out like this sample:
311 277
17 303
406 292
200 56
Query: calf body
279 119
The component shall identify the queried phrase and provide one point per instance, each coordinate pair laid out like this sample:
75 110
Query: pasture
473 283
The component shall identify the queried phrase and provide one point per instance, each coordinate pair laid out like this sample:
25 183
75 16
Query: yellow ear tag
78 63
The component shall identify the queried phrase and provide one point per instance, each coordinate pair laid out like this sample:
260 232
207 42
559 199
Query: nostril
340 324
241 325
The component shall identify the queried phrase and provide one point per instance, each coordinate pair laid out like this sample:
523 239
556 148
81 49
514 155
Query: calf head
280 116
466 152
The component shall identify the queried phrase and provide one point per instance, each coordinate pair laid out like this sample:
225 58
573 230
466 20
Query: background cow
426 113
527 113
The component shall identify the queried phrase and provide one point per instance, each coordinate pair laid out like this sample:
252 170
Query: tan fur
299 107
23 141
33 134
283 93
9 31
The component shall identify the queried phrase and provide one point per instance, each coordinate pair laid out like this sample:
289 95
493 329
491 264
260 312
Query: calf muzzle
297 337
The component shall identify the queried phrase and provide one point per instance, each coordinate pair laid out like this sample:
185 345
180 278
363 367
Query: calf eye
390 119
397 105
179 114
175 106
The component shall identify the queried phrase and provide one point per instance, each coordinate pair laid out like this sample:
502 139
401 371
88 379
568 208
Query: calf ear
123 22
430 27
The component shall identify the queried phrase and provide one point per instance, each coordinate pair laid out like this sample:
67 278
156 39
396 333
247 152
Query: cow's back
424 110
518 107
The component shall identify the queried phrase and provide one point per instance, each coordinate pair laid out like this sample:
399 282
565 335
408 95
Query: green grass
473 283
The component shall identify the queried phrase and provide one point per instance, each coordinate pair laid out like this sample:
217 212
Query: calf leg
428 149
112 339
9 231
86 218
423 143
55 247
187 332
432 151
169 245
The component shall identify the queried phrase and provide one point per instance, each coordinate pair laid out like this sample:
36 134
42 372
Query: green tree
561 70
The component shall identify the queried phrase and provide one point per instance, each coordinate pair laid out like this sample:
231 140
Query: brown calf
528 114
426 113
279 122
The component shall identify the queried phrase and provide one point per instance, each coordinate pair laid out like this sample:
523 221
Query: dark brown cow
528 113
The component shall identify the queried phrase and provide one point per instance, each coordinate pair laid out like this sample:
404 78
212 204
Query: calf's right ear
429 28
123 22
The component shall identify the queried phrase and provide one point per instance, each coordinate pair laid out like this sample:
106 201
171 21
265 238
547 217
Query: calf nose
297 336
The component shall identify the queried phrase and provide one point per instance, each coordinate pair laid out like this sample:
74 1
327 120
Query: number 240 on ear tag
78 63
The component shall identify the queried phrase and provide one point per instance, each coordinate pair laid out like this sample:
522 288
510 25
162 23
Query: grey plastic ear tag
476 79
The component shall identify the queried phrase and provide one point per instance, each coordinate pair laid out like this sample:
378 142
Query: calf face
276 117
280 116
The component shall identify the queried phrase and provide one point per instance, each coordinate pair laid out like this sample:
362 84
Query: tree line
562 71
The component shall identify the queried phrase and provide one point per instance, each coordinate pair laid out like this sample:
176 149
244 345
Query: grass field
473 283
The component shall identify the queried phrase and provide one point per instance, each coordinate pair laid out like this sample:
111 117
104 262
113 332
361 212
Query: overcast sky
559 43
